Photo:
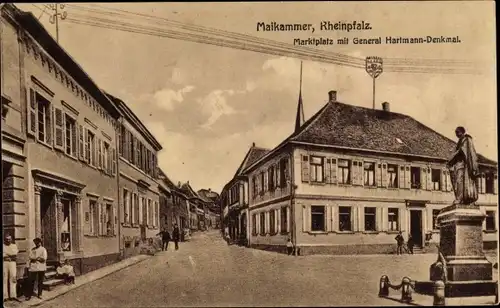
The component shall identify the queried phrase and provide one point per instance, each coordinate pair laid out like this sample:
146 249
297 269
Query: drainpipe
292 204
118 212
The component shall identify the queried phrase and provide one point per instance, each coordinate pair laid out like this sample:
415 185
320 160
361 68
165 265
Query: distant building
173 205
348 179
234 198
196 208
138 187
211 200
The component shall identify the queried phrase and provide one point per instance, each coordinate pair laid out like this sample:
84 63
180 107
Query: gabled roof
352 127
188 191
132 118
253 154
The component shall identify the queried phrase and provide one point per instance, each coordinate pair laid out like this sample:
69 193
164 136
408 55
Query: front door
416 227
48 223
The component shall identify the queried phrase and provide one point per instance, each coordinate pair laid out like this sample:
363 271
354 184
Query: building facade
139 191
350 178
234 199
70 149
15 208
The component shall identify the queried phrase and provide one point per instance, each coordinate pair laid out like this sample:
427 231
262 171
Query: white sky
207 104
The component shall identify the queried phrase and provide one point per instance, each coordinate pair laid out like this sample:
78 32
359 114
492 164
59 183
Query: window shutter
87 145
429 179
361 173
384 175
378 219
278 175
305 168
137 211
99 219
328 226
495 184
361 218
93 151
113 159
354 218
113 219
401 176
49 118
58 128
443 179
99 153
354 172
304 219
326 171
32 114
266 181
423 177
333 171
377 173
81 144
74 140
407 177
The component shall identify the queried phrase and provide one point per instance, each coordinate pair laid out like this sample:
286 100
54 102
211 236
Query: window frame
340 172
340 214
395 183
396 220
314 167
323 217
73 121
47 119
370 214
374 165
487 222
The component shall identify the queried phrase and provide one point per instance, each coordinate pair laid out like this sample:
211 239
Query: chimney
385 107
209 190
332 96
179 184
253 144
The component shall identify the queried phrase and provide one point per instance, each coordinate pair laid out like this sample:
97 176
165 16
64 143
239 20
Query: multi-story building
138 187
347 180
173 206
234 198
196 208
14 166
211 199
70 187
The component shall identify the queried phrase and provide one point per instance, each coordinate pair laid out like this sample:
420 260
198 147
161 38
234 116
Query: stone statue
464 169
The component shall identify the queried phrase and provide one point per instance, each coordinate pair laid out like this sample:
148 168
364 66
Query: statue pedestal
461 243
468 272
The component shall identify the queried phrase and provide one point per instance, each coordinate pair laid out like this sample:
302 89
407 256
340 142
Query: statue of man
464 169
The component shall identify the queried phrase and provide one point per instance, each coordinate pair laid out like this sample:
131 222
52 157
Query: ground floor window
393 219
272 222
318 218
370 219
284 219
254 224
262 224
345 218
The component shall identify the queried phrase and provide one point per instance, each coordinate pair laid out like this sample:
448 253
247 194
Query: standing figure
37 265
165 238
10 252
400 240
464 169
289 246
410 244
176 236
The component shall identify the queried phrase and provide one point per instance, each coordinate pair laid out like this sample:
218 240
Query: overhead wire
204 35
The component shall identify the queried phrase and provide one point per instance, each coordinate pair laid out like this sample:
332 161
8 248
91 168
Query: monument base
461 243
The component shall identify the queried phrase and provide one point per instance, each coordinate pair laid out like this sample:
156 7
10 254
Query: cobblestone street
208 272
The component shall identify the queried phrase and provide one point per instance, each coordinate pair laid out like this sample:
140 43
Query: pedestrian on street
10 252
165 238
37 265
176 236
400 241
410 244
289 246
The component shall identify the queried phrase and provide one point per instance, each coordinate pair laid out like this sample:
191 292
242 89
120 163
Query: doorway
416 227
48 223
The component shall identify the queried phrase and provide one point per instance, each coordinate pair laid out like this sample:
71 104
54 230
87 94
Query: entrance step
50 284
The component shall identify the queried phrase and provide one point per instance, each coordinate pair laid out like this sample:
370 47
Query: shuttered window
59 129
316 169
344 176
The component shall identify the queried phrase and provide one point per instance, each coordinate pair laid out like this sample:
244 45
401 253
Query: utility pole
54 18
374 67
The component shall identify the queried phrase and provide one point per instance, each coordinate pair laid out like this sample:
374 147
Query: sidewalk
79 281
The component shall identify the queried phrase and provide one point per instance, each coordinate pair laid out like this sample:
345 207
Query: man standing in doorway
10 252
37 267
176 236
165 238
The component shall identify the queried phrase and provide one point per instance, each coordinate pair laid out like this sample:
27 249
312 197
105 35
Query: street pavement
207 272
